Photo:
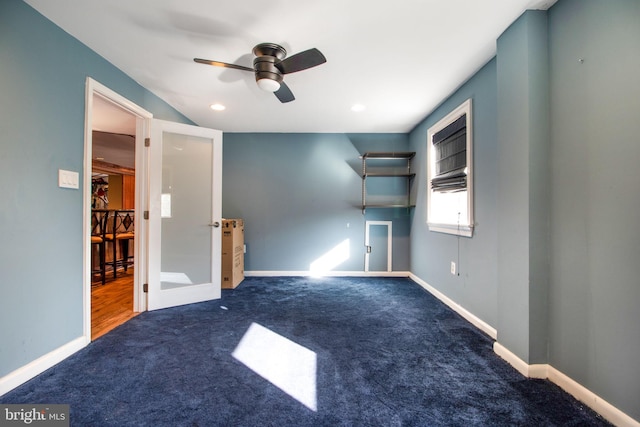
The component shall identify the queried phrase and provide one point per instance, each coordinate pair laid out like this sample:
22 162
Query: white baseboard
41 364
601 406
584 395
270 273
470 317
540 371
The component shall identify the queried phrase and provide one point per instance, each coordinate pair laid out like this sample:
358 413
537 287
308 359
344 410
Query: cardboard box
232 253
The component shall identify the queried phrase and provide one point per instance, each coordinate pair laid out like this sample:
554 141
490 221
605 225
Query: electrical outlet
453 268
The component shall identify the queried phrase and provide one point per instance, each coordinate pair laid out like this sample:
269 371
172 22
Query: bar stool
120 231
98 217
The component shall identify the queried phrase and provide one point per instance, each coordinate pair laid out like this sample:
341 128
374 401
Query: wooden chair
119 232
98 218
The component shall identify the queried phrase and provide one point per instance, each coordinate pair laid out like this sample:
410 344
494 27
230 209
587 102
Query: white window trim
459 226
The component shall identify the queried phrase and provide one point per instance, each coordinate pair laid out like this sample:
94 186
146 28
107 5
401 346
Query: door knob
216 224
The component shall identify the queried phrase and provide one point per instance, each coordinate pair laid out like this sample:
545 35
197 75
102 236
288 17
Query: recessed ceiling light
356 108
217 107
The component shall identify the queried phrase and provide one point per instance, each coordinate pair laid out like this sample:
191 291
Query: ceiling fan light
269 85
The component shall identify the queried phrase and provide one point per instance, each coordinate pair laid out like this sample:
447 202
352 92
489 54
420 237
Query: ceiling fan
271 64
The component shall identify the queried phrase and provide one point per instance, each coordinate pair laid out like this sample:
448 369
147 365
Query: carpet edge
466 314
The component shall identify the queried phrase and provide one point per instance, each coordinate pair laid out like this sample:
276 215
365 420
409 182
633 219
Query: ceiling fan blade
301 61
284 94
222 64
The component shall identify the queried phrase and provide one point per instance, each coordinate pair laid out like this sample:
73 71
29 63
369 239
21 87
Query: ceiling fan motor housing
267 54
265 68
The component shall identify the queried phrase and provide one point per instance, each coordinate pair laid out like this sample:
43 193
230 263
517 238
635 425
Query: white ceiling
108 117
114 141
399 59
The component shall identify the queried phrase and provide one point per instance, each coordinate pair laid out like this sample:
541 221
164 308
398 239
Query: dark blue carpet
388 354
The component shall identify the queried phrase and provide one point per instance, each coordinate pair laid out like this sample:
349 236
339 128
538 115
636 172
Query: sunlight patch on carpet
286 364
330 260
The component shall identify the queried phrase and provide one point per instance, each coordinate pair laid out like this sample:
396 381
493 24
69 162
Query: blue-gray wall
300 196
553 263
42 104
431 253
594 328
523 187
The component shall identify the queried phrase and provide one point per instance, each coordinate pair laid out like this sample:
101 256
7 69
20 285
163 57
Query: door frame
143 118
389 225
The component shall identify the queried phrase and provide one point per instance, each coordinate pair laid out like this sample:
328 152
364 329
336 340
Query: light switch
68 179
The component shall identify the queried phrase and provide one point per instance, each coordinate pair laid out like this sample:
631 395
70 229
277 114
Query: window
450 176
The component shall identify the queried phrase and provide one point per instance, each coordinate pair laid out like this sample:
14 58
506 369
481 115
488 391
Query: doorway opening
378 255
114 134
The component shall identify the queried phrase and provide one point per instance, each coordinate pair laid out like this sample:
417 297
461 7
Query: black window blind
450 147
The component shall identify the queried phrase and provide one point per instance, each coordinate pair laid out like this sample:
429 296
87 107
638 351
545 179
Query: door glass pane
186 211
378 235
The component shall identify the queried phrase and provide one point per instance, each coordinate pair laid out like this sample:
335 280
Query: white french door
185 195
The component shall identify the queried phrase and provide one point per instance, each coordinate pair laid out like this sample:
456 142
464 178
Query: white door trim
389 225
141 164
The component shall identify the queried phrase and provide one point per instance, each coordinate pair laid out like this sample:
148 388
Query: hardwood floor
111 304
